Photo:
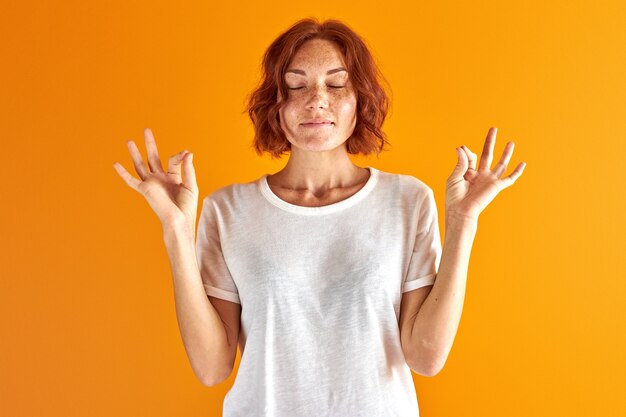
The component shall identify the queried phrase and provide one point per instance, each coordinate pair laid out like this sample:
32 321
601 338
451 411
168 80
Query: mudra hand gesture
470 190
174 203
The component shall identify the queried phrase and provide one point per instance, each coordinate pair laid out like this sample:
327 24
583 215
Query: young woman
330 277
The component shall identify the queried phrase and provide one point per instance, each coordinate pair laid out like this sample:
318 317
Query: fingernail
191 157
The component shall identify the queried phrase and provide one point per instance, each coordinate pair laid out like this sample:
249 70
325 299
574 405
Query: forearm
438 319
201 327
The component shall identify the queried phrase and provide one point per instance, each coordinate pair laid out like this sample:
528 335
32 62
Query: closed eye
331 86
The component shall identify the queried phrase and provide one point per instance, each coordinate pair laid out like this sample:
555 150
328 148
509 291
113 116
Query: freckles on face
318 85
333 97
329 97
336 101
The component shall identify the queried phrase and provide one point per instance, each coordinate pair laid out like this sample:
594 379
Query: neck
318 171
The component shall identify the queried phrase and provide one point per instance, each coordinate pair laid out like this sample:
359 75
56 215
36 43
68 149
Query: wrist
460 221
179 231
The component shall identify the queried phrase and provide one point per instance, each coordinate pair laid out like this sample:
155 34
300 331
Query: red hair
372 101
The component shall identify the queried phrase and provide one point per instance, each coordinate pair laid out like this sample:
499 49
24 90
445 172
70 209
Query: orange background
87 312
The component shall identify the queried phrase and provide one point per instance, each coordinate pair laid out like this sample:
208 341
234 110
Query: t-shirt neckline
330 208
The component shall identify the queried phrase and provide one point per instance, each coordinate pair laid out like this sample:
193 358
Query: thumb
461 166
189 173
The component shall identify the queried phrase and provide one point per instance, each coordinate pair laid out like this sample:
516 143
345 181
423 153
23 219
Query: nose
318 99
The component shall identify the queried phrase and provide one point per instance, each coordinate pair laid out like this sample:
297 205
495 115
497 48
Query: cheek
347 106
288 116
287 111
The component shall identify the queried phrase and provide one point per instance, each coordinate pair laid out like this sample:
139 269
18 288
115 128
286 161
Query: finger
461 165
174 164
153 155
487 155
190 173
140 167
500 167
471 157
510 180
129 179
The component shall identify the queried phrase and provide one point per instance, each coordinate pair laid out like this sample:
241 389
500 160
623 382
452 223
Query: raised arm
210 344
428 341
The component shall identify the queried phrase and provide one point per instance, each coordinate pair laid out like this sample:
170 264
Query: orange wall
86 300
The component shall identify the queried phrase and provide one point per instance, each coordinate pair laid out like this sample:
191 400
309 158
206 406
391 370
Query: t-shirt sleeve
426 254
216 277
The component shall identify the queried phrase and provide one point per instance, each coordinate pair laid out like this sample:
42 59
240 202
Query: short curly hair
372 100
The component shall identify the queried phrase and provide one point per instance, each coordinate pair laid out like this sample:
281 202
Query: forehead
317 54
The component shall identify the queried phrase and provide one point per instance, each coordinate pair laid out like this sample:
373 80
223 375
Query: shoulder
232 195
405 184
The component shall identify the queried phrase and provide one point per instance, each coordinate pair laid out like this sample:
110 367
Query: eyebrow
301 72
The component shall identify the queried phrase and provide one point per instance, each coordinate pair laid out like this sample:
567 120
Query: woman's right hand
175 203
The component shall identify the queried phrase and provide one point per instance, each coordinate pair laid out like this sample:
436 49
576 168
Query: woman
330 277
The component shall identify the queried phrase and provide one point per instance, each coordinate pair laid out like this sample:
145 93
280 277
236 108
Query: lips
318 122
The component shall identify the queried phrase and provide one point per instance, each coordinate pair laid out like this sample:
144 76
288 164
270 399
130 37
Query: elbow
431 369
426 365
209 382
213 379
428 369
213 372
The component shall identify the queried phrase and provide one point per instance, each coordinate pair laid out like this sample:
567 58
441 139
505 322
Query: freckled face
318 92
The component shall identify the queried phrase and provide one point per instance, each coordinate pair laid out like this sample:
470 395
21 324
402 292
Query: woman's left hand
468 190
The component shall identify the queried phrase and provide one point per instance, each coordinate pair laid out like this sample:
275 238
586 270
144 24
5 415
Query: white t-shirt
320 290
